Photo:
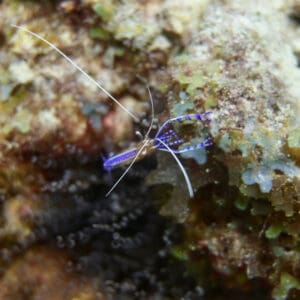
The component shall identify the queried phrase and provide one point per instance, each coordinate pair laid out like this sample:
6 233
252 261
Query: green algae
7 107
180 253
105 10
273 231
193 83
294 144
99 33
287 282
231 141
241 203
294 139
21 122
211 102
234 68
184 106
220 70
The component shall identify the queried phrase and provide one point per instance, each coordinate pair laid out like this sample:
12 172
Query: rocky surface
238 236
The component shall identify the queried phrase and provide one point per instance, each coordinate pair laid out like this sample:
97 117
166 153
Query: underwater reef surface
61 238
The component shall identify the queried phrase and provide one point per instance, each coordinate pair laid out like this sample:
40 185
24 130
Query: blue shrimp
162 138
166 139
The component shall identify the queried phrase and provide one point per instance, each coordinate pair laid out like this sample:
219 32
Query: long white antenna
127 170
186 177
91 79
152 113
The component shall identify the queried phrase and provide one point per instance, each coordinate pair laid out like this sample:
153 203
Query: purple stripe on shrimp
165 136
115 160
206 143
200 117
171 138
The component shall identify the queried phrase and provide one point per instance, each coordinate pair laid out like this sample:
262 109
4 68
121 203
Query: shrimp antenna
152 113
186 177
140 151
91 79
126 171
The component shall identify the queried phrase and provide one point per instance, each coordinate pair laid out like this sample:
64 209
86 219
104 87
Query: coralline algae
242 57
237 59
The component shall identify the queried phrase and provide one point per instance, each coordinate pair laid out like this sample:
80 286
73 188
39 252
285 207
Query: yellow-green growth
287 282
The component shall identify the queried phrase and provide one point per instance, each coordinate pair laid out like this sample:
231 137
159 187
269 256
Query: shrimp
164 140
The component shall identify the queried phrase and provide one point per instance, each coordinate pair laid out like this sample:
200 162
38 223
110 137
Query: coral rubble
238 236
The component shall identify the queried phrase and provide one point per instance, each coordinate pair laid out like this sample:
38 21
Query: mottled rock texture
238 236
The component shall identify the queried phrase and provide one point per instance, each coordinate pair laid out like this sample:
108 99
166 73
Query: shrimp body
126 157
166 139
118 159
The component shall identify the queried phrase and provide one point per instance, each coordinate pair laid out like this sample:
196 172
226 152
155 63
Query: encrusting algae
240 233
